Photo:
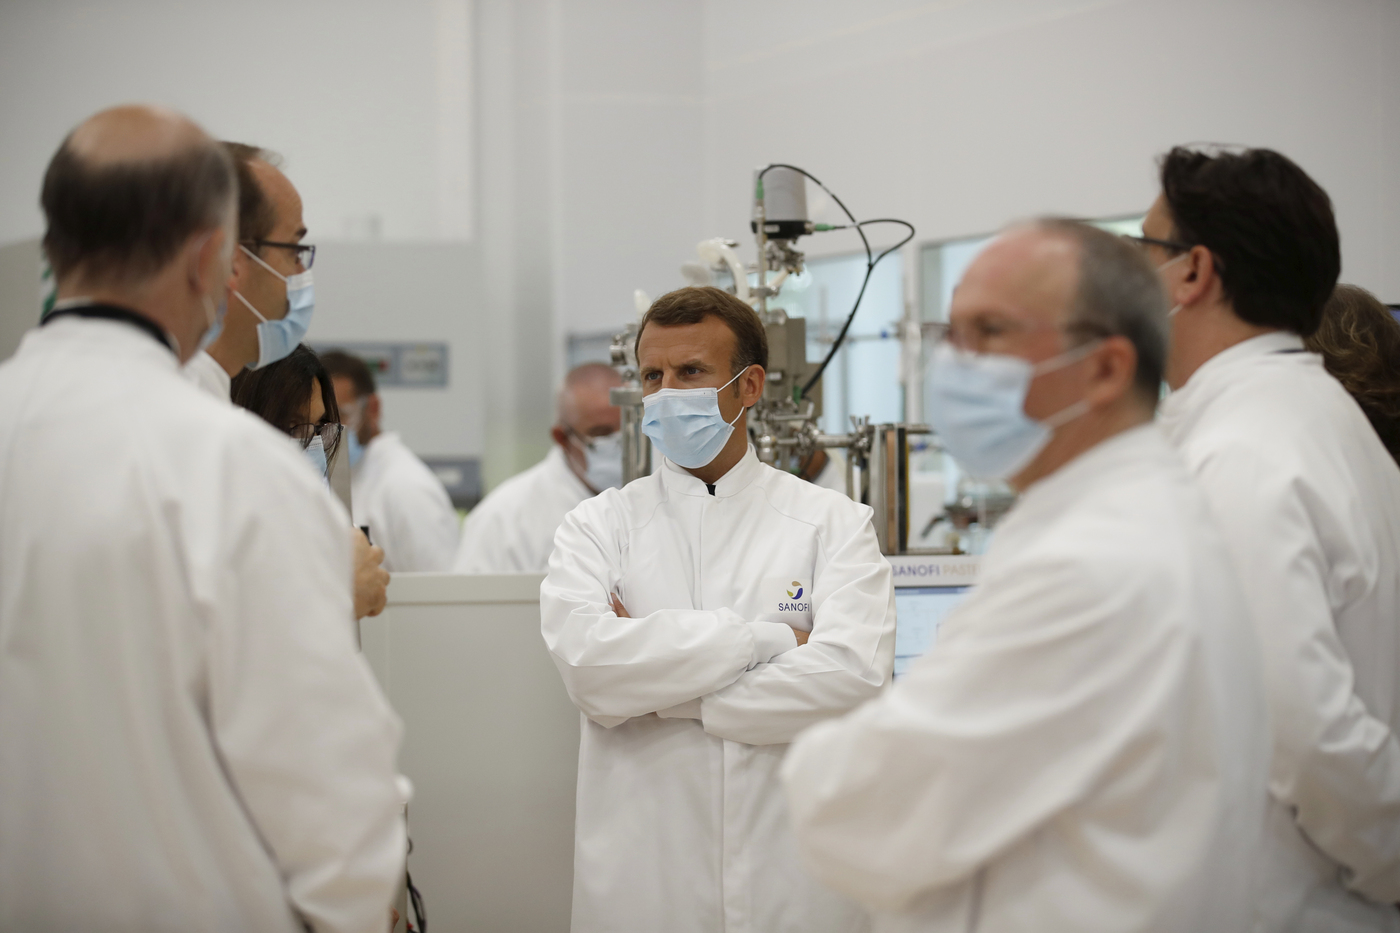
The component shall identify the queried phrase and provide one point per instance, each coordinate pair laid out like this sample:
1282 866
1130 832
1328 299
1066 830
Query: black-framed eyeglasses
306 252
328 431
1174 245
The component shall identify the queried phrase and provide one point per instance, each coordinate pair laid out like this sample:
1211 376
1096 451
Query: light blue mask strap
257 259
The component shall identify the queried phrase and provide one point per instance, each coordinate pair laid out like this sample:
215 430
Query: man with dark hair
1309 504
269 299
392 492
190 736
512 529
271 272
701 617
1085 748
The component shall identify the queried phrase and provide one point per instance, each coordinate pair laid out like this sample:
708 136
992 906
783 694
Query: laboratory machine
784 426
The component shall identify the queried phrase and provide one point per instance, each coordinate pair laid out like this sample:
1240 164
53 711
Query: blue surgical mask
316 453
977 408
276 339
216 322
354 450
354 419
604 462
685 424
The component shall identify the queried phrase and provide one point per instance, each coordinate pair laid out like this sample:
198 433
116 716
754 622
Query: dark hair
1268 225
1359 341
693 304
277 392
340 363
125 220
1118 295
256 215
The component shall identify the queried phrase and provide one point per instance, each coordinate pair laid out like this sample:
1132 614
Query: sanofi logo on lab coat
795 606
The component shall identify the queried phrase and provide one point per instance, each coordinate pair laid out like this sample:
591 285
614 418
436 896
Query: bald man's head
127 189
584 401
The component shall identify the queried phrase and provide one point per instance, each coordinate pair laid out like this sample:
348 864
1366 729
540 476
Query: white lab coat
204 371
833 475
189 739
408 511
512 529
1309 503
1085 748
681 824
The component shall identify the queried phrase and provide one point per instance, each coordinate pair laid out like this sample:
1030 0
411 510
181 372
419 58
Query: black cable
816 181
871 260
850 318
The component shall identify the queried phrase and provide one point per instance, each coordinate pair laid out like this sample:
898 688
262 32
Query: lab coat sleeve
305 734
615 668
1009 721
423 527
1334 763
848 657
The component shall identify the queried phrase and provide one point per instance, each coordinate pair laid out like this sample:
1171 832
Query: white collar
740 476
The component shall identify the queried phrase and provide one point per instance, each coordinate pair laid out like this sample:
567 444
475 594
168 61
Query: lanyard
113 313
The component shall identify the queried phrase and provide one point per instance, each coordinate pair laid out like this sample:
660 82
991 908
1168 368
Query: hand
393 920
801 635
618 608
371 580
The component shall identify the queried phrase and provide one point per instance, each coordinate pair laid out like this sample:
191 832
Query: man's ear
561 437
751 385
1200 276
1115 368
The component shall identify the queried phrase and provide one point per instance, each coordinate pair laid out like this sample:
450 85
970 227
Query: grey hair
1119 295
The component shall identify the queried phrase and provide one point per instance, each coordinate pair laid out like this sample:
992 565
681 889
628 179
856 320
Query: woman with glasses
295 396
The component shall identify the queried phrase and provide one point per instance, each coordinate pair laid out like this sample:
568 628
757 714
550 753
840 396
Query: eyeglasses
1142 242
329 433
306 252
588 442
984 332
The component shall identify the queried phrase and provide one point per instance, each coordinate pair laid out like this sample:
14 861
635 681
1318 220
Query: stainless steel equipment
636 446
783 424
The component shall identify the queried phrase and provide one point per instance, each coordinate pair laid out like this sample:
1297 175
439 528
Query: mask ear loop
257 259
742 408
249 305
1171 262
239 295
1056 363
1068 358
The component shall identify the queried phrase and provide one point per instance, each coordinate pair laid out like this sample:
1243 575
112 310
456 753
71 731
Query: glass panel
863 379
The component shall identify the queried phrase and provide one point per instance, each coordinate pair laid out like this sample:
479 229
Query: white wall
631 154
961 116
371 106
408 292
346 90
577 149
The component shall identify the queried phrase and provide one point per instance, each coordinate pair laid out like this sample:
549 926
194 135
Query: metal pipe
761 219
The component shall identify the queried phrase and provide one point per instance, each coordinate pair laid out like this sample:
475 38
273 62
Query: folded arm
616 667
845 660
